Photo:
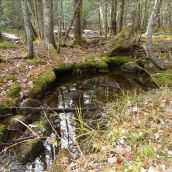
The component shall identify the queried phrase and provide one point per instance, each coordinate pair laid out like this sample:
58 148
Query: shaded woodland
85 85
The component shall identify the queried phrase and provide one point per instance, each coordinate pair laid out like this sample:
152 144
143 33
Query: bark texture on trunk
48 24
149 42
121 15
71 23
127 38
78 22
39 16
113 17
0 35
131 17
1 13
102 17
106 19
27 26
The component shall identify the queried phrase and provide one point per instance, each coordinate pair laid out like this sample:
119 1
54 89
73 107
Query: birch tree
149 42
102 16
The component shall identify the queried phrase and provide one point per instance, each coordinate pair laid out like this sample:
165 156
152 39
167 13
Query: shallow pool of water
75 91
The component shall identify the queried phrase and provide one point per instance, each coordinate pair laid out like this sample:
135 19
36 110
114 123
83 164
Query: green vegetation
64 68
8 78
164 78
2 132
128 136
14 90
54 55
92 65
118 60
7 45
36 60
41 83
29 150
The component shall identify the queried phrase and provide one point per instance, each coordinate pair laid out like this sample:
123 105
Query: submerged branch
59 110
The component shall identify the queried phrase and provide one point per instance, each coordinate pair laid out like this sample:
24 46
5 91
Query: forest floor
137 138
138 135
17 69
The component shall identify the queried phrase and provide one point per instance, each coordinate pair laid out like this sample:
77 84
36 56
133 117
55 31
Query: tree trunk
113 17
102 18
71 22
0 36
1 13
106 19
78 22
100 25
121 15
48 24
39 16
126 38
27 26
131 18
149 43
60 24
62 15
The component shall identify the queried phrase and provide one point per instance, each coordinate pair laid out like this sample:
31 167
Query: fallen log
58 110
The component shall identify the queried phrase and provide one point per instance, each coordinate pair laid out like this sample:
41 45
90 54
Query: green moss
2 78
1 106
43 82
132 167
166 54
1 60
13 124
92 65
54 55
49 78
145 152
11 77
5 45
29 150
64 68
11 102
14 90
58 164
163 77
8 78
36 60
118 60
43 126
2 132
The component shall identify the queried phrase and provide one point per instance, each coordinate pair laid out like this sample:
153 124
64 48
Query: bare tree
106 19
131 17
48 24
113 17
27 26
149 43
102 16
71 22
121 15
39 7
78 22
0 35
1 12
